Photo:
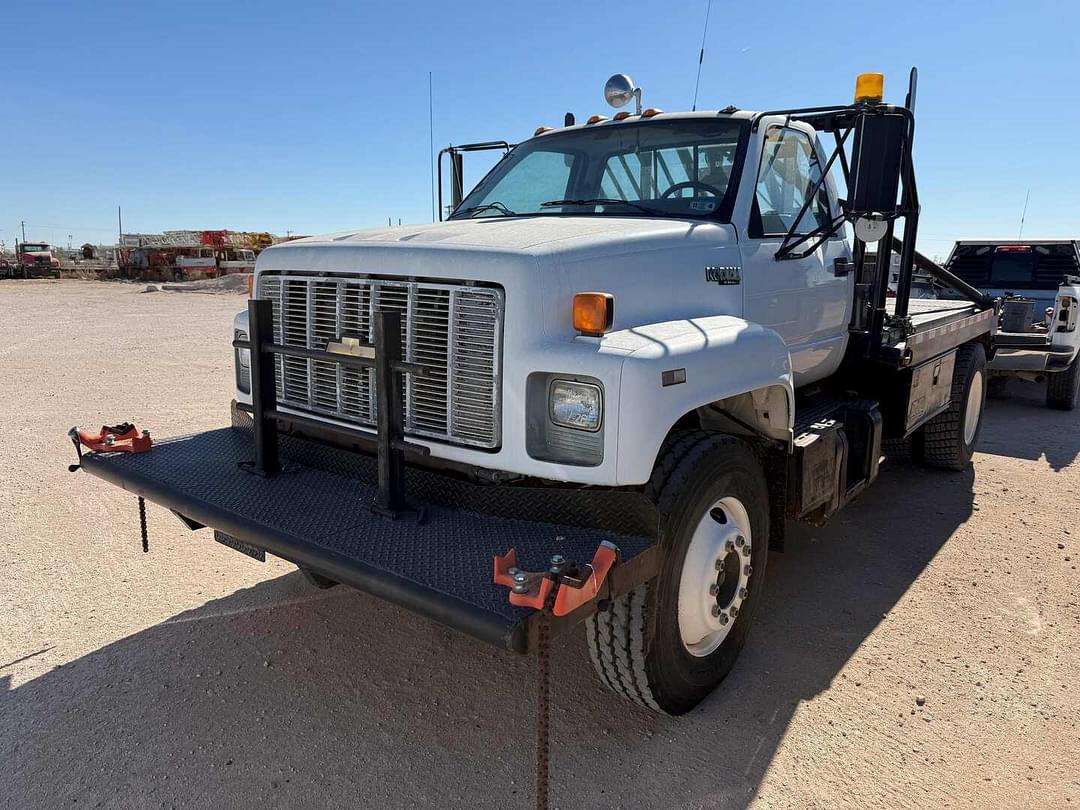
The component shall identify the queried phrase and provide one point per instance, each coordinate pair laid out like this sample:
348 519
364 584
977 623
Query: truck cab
673 217
37 259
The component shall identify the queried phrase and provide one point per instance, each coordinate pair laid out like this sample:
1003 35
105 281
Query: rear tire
1062 387
949 439
667 644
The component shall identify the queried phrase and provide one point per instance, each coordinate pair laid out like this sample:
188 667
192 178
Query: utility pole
119 226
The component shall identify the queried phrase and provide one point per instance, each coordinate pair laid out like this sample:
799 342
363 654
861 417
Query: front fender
721 356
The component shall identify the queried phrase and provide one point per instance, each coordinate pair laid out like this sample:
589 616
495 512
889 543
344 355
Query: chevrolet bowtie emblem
352 347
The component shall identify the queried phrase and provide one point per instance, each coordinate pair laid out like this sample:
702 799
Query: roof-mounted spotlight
620 89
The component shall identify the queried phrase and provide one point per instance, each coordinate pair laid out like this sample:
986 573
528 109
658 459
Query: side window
789 171
539 177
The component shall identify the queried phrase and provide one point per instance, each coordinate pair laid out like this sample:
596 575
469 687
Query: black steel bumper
317 514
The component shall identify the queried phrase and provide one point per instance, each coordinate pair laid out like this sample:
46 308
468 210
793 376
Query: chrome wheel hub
715 576
972 407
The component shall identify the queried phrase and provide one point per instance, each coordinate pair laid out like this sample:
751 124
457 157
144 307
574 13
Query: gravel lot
921 651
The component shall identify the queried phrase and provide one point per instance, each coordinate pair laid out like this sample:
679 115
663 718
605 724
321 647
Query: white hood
654 267
523 234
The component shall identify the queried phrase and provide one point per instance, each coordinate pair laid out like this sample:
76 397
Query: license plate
244 548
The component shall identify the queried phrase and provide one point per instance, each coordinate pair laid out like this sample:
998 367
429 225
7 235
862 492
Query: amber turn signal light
251 284
594 312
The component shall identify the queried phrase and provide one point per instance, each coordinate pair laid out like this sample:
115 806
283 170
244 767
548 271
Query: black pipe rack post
389 379
263 388
390 369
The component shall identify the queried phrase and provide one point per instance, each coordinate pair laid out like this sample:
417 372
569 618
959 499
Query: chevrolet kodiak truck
597 392
1039 283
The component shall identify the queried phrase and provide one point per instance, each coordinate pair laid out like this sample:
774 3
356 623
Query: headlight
243 363
576 405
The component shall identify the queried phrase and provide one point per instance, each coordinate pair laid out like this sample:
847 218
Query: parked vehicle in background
1038 339
195 263
236 260
36 260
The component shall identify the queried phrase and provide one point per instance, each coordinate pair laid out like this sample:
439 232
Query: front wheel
669 643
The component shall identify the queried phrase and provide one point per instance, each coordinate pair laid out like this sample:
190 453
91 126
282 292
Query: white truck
1038 339
635 349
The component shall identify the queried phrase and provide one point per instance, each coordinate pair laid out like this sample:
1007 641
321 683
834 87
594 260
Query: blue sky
314 117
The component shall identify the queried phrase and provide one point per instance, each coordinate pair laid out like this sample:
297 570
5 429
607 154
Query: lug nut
723 618
734 610
747 550
719 563
743 593
739 540
748 569
714 589
729 547
715 610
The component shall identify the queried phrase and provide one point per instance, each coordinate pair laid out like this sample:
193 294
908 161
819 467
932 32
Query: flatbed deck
937 325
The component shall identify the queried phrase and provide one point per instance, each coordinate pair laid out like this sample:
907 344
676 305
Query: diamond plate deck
321 519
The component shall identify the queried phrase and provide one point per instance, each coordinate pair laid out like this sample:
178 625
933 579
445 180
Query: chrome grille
451 329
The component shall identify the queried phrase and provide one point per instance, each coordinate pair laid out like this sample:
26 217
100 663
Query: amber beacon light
869 87
594 312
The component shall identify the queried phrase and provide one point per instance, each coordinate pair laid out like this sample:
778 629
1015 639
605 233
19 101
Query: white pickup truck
646 332
1039 282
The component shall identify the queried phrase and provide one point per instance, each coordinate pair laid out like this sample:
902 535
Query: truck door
802 299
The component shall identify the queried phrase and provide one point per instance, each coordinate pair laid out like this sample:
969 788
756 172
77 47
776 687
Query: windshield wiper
601 201
491 206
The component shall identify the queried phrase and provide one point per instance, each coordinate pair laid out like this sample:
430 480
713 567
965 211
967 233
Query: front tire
949 439
667 644
1062 387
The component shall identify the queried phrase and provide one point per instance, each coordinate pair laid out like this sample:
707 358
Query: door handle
841 266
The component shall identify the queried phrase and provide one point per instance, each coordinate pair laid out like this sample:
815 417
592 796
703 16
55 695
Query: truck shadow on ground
291 697
1020 425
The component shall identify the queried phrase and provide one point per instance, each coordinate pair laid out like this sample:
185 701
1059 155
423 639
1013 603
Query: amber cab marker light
251 284
869 88
596 119
649 112
594 312
541 130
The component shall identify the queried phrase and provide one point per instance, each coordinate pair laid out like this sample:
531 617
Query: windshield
678 168
32 247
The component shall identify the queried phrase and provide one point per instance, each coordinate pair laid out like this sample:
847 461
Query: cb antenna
1023 214
701 55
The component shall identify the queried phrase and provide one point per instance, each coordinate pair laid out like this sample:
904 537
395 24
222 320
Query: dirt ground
921 651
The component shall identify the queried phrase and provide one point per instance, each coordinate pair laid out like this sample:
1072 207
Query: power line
701 55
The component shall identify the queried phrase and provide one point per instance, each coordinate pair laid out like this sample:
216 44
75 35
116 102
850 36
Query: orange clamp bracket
533 589
125 438
569 599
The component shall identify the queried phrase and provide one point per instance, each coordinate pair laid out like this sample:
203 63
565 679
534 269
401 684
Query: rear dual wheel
667 644
948 440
